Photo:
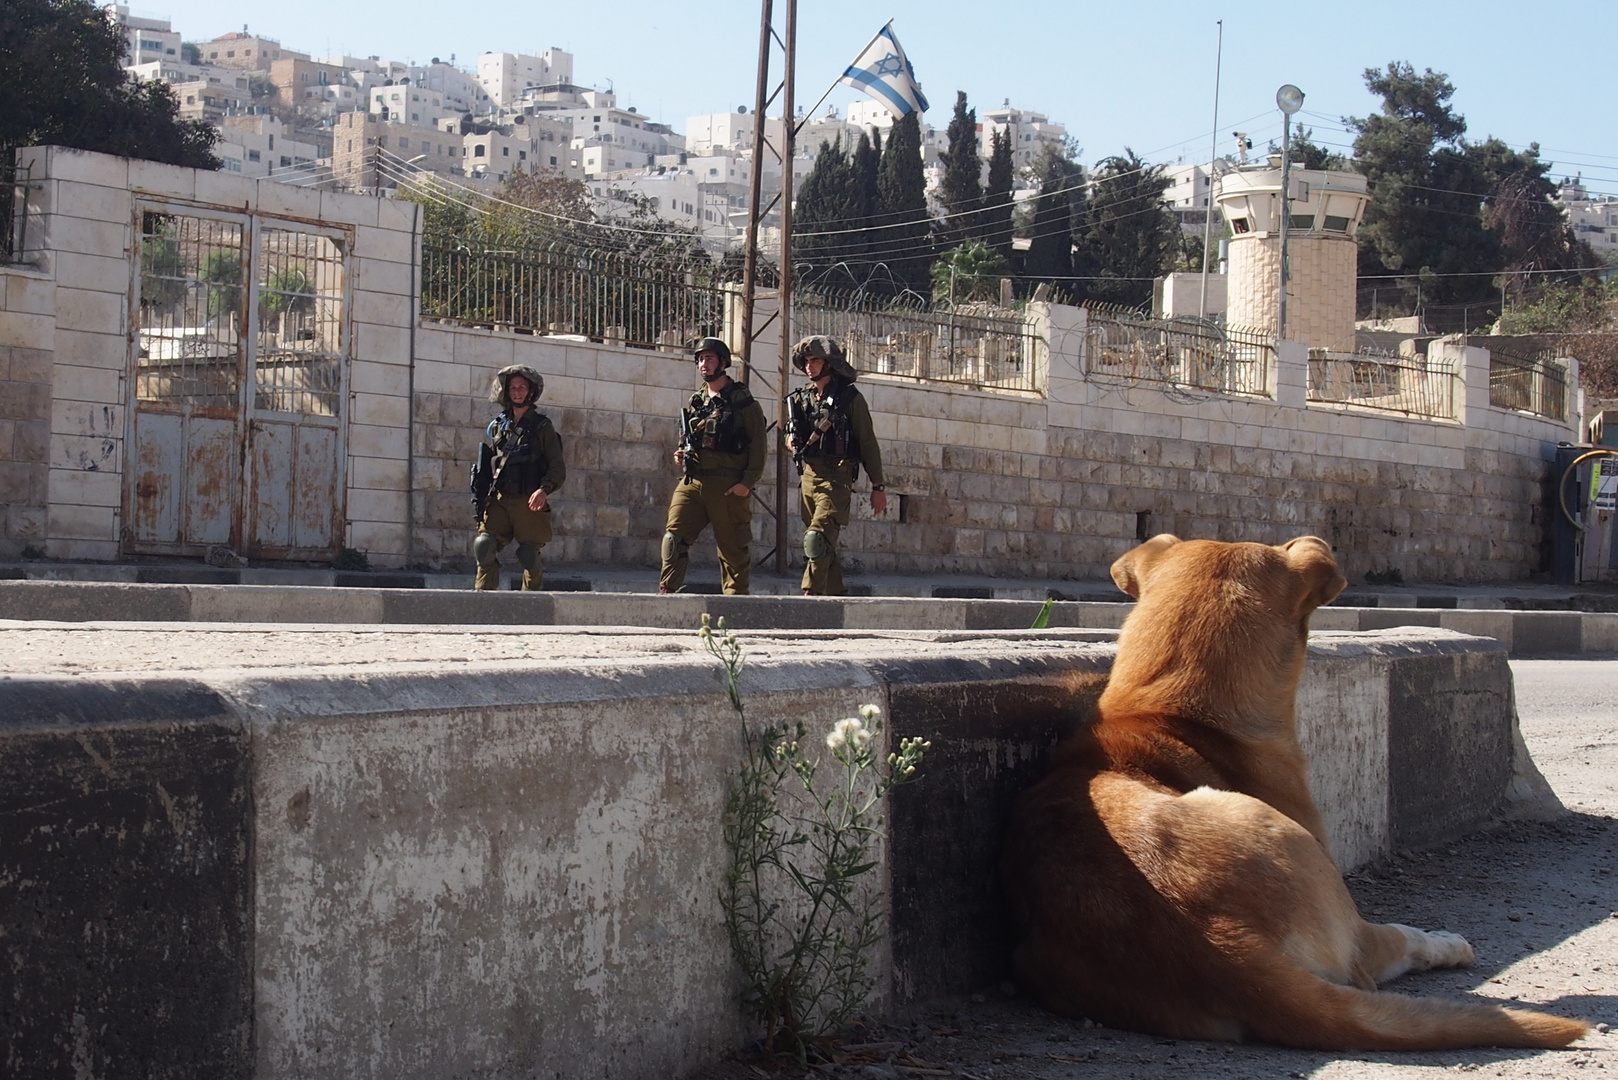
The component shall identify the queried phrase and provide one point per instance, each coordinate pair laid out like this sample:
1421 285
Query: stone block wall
27 344
1320 288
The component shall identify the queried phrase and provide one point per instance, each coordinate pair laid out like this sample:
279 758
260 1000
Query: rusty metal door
184 485
299 347
238 400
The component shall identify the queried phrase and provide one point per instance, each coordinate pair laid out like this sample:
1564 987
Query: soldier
722 452
519 466
830 437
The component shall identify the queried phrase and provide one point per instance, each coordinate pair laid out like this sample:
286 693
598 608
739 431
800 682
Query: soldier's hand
792 443
538 499
879 503
679 457
741 491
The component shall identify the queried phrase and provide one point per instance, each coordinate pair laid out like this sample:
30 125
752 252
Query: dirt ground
1537 900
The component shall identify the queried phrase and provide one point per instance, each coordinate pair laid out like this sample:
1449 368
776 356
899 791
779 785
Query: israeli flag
883 72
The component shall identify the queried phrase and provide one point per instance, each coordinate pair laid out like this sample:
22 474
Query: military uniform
724 445
518 457
834 437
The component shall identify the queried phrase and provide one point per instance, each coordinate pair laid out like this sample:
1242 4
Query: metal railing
1535 385
976 344
1130 346
1415 385
605 296
13 203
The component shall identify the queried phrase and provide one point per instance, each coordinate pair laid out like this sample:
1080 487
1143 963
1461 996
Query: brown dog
1170 874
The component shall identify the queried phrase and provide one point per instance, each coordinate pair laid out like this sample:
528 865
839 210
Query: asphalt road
1537 899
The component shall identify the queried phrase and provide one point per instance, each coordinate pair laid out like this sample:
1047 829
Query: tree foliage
961 190
1061 194
62 83
900 240
1129 236
828 210
969 272
1424 220
997 198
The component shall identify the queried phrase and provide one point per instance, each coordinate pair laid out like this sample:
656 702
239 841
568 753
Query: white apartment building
504 76
706 193
405 103
213 95
1030 132
728 132
610 139
145 40
1595 221
261 146
1190 195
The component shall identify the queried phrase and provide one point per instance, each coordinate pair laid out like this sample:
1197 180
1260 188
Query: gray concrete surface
496 851
1523 632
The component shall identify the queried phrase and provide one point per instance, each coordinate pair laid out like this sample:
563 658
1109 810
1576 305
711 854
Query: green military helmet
827 348
713 345
502 381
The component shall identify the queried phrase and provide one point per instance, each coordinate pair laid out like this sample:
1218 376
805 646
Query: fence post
1291 386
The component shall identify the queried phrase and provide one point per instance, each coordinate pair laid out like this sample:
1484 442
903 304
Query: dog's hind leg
1389 950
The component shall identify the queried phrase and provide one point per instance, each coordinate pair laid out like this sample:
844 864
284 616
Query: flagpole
788 130
1213 156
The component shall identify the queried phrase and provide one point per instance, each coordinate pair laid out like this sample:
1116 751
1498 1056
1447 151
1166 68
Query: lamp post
1289 99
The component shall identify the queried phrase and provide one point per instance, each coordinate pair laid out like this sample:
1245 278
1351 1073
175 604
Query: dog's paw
1450 950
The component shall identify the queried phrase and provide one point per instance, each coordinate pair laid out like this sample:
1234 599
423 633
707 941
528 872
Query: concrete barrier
1524 633
402 860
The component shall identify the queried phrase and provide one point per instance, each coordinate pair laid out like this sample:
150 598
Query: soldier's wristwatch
879 487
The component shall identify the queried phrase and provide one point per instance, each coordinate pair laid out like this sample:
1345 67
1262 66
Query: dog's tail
1323 1015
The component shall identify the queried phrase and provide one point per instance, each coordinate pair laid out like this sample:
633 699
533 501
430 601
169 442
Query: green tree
1424 221
969 272
961 190
62 83
1050 248
997 201
1538 246
221 274
826 211
1307 153
1129 236
900 241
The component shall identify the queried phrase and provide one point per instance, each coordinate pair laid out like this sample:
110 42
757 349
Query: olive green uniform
520 457
830 466
724 446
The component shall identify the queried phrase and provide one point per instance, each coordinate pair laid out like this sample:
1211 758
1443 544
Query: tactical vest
827 415
713 423
519 455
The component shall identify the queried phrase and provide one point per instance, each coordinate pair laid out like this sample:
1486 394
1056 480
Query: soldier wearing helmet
519 466
722 453
830 436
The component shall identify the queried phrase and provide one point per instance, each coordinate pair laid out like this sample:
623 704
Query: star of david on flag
882 71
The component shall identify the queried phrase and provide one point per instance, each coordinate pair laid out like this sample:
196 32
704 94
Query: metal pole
750 266
788 131
1286 212
1213 156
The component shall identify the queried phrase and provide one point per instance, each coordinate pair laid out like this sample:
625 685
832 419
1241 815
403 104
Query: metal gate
238 400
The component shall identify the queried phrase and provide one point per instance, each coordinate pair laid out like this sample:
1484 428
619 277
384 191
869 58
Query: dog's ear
1133 567
1319 579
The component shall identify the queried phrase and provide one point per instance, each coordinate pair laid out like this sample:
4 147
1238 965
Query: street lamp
1289 99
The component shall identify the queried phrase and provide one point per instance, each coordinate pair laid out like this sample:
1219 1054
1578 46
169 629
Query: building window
505 151
232 52
1336 224
1240 225
285 161
252 155
553 159
404 144
522 155
477 151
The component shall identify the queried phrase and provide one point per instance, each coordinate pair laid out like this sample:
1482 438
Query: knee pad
485 548
671 547
814 545
527 556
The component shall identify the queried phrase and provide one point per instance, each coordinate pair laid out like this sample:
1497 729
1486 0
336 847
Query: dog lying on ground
1170 874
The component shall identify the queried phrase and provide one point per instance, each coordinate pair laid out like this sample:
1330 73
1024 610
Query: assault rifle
482 481
805 433
687 444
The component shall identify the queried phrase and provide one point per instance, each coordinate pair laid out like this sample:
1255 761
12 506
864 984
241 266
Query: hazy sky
1125 74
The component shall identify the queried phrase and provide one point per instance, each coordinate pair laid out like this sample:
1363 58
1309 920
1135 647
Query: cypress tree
901 241
866 161
1128 236
997 196
961 191
1050 251
824 210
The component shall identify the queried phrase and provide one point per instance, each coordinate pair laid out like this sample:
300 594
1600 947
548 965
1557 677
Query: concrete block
272 604
391 278
95 312
376 377
379 442
397 214
1599 633
69 487
287 200
386 344
380 410
75 549
385 244
93 201
85 418
1542 633
383 309
108 351
385 543
99 273
86 167
482 349
28 294
24 331
150 177
340 206
69 522
370 505
226 190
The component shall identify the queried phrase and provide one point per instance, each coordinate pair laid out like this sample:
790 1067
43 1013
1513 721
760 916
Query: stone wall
27 343
1320 289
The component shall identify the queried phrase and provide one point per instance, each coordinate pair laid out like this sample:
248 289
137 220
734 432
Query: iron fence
1192 353
605 296
974 344
1535 385
13 201
1415 385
